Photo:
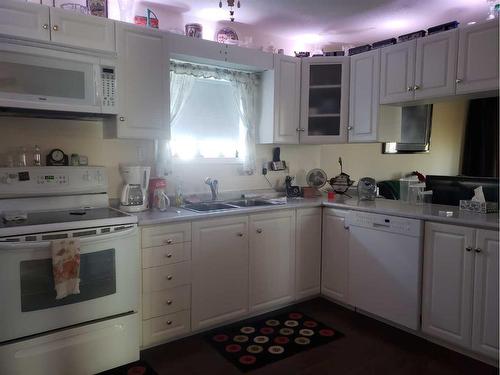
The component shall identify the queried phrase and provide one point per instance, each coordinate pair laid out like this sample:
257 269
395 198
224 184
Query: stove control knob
7 179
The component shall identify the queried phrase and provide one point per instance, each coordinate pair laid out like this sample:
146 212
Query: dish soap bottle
37 156
179 199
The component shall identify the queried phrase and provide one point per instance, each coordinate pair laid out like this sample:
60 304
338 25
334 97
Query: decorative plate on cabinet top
226 35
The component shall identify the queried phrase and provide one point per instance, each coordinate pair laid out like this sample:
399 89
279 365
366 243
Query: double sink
228 205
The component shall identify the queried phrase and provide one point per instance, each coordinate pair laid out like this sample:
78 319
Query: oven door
109 284
45 79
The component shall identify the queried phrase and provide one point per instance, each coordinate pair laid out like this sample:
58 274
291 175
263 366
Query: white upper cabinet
397 74
204 51
485 321
143 83
478 58
308 252
24 20
447 282
436 65
220 271
324 100
43 23
280 102
76 30
247 57
272 259
364 97
335 255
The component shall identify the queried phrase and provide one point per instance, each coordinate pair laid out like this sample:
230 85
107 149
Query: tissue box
481 207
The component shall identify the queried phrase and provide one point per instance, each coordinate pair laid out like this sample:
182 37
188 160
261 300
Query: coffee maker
134 195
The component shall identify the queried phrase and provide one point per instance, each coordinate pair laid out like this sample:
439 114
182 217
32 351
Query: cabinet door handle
349 127
300 129
169 322
45 26
55 27
239 234
409 88
169 277
477 250
121 118
168 255
169 302
416 87
167 242
468 249
259 230
458 80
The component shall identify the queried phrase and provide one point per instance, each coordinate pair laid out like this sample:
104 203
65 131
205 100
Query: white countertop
174 214
430 212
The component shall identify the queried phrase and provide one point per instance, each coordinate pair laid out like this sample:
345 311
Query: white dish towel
66 266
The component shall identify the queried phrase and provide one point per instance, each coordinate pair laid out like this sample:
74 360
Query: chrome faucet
214 187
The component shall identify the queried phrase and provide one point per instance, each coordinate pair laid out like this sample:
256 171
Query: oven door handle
83 240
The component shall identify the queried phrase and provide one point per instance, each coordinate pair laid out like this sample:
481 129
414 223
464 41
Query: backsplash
85 138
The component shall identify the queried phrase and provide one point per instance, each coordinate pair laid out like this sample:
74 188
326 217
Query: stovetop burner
64 216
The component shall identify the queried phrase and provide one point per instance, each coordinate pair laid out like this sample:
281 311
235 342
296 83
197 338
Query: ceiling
343 21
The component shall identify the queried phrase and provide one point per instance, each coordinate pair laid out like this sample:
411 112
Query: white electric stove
83 333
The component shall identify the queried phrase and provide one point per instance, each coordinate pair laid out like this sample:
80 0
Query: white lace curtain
182 78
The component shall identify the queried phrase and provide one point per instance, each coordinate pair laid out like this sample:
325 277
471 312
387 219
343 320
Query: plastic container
414 191
404 184
424 197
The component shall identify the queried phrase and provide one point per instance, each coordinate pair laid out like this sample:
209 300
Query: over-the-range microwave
38 78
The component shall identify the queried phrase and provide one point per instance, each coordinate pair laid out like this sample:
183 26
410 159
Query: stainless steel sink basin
228 205
250 203
208 206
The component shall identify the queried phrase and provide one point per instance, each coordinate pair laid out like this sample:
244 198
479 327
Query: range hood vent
55 115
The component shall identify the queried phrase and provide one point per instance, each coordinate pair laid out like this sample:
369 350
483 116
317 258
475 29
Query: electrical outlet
264 171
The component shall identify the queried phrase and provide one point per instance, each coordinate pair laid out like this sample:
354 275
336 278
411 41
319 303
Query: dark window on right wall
480 151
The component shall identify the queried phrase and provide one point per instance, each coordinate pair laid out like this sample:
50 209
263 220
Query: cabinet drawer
166 234
165 327
166 302
168 254
164 277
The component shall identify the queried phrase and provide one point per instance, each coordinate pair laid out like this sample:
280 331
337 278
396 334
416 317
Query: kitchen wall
81 137
360 160
85 137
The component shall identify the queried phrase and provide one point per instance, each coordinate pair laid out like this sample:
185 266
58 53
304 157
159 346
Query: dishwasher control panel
393 224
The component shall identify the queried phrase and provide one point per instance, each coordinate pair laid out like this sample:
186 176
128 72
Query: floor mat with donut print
256 343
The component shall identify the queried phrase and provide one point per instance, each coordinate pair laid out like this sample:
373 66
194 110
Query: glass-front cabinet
324 100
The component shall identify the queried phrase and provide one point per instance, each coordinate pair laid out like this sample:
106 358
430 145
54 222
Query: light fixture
494 6
230 4
471 23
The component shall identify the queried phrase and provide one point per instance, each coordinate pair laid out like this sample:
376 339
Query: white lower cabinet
485 302
335 255
166 282
272 259
460 287
220 271
308 252
165 327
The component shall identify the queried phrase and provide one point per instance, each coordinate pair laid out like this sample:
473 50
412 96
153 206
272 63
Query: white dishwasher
385 257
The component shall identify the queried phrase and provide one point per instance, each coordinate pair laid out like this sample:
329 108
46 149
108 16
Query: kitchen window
213 113
209 126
